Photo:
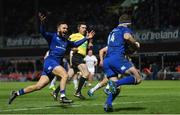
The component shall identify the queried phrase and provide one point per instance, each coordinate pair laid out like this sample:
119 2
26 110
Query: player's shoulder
93 56
123 28
72 35
76 36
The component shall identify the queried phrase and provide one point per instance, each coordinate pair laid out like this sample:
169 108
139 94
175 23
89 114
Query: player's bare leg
70 73
55 93
57 90
59 71
135 73
98 86
133 78
43 81
84 70
90 79
52 84
75 81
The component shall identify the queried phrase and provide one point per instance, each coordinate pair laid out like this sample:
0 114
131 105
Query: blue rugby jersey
116 41
58 44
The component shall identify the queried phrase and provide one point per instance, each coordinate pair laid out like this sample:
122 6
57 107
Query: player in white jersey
91 62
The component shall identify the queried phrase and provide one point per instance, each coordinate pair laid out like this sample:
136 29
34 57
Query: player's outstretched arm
42 17
45 34
78 43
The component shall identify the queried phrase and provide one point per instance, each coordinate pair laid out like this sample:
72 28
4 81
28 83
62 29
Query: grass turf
150 97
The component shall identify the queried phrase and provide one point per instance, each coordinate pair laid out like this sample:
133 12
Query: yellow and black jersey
82 48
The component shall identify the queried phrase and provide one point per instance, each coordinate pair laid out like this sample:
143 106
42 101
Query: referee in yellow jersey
78 56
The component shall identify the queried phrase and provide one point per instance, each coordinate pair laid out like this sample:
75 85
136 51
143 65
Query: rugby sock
107 86
57 90
20 92
53 81
75 83
62 93
109 99
126 81
81 83
95 88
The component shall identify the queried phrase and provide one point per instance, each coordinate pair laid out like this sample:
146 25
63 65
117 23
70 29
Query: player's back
116 41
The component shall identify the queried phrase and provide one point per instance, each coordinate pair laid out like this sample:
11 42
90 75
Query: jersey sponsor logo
50 67
123 68
60 47
58 38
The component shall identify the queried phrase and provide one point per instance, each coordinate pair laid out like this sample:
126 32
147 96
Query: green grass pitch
150 97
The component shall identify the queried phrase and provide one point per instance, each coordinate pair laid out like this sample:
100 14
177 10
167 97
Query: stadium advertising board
25 42
158 36
145 36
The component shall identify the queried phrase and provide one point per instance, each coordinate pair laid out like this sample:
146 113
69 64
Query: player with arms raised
58 44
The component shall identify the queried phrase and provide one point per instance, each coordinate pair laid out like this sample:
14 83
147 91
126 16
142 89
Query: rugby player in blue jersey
115 62
58 44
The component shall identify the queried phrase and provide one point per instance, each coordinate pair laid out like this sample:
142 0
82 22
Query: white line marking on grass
74 105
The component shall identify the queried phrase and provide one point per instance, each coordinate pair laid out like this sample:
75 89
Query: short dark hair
81 23
61 22
125 18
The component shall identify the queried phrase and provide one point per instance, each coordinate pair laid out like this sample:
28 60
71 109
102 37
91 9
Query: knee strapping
137 81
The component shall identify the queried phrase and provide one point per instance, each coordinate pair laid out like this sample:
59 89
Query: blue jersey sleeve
78 43
46 35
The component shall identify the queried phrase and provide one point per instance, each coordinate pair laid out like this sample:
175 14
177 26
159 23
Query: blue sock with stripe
62 93
21 92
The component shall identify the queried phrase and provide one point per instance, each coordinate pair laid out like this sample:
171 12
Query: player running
58 44
115 62
102 53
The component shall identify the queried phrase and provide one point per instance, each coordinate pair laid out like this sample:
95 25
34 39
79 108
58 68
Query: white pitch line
78 105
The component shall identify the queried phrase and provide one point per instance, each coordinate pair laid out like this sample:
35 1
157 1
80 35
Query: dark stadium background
156 25
155 22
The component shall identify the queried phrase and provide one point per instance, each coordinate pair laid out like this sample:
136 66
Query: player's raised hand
42 17
90 34
137 44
